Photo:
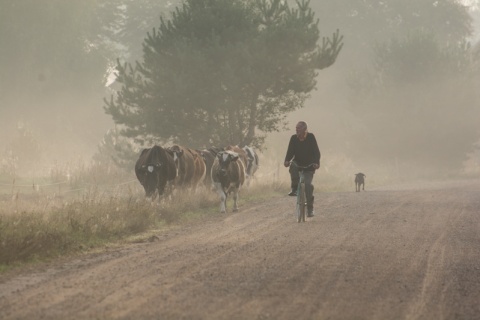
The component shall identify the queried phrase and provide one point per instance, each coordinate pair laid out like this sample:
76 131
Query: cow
228 175
190 166
252 163
200 168
154 168
359 181
208 156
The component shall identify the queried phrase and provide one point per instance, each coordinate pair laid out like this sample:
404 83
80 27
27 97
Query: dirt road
410 252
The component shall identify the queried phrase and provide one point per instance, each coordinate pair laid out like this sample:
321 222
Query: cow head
204 155
176 153
207 155
224 160
149 176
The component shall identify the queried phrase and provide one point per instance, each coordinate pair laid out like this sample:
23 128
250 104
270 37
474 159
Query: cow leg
249 179
223 197
223 201
235 198
161 188
154 195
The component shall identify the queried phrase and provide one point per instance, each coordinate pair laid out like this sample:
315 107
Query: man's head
301 129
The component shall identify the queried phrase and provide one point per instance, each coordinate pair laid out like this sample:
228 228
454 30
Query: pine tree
222 72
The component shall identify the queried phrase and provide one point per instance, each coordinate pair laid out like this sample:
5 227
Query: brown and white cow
190 166
154 168
208 156
200 168
228 175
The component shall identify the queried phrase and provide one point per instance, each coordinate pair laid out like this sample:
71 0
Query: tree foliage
127 23
368 22
49 47
411 79
116 149
54 62
418 102
219 71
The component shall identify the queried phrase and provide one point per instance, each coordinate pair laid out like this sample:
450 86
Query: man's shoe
292 194
310 214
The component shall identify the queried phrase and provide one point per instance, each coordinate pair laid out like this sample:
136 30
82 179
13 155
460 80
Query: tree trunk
252 121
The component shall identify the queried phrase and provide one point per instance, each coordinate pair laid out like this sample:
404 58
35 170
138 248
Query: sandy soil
409 252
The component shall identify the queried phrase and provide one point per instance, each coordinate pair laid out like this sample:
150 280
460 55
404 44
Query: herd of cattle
161 170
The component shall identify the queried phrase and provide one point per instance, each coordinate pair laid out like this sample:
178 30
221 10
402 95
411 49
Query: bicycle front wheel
301 204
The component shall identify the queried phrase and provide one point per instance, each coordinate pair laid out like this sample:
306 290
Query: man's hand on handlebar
287 164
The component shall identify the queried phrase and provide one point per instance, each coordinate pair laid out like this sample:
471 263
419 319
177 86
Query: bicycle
301 195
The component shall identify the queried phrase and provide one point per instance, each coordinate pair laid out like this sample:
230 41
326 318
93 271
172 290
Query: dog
359 181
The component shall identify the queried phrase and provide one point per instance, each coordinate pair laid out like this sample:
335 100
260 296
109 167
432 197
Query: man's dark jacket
303 152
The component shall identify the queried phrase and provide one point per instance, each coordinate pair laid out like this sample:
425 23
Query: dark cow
190 166
228 175
252 163
154 168
359 181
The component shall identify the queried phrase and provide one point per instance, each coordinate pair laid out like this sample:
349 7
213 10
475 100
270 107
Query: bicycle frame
301 195
301 198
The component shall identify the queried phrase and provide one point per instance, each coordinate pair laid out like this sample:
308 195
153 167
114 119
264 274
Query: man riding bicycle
303 148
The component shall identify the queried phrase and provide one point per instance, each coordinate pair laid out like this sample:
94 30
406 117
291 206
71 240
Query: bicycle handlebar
301 167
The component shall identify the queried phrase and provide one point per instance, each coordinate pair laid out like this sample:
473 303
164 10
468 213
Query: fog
51 110
435 120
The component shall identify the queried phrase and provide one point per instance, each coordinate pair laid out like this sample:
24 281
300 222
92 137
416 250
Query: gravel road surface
404 252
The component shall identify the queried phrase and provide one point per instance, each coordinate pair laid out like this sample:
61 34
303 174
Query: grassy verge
38 226
33 235
41 228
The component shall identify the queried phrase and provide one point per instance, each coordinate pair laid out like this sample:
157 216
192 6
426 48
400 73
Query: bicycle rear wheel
301 203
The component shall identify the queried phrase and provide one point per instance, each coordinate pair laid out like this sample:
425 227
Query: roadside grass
38 227
50 218
31 232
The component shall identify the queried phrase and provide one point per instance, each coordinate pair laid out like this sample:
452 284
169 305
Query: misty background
402 96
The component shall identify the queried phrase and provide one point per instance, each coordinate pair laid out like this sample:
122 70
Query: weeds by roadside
30 234
46 219
35 228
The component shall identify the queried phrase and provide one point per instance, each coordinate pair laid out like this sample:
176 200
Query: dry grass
37 229
80 208
41 224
